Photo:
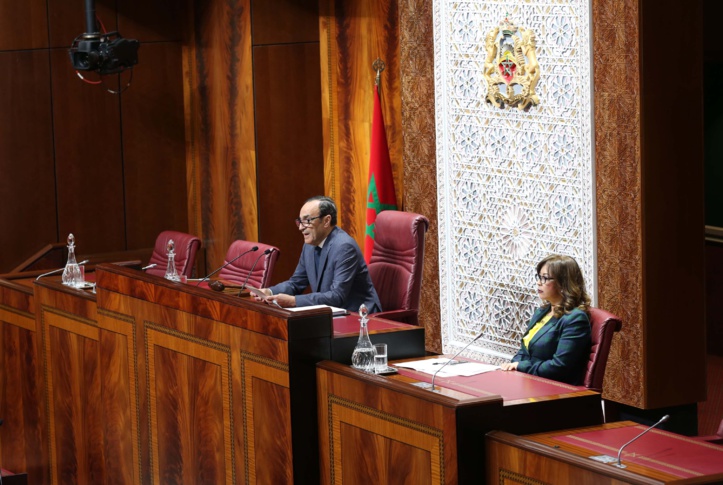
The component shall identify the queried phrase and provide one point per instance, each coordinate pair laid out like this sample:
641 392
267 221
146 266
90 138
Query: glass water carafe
71 273
171 273
363 356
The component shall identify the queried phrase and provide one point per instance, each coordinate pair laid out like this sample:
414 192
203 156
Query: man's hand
509 366
265 291
283 300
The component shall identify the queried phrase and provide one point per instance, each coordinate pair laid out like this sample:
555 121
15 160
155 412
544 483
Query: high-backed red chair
396 264
186 246
603 327
258 272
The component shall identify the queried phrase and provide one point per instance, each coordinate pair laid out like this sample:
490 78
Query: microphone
255 248
149 266
434 376
58 270
662 420
268 251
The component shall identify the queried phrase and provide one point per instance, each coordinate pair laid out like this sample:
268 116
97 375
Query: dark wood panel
26 156
188 400
154 150
23 25
272 431
152 21
285 21
74 398
289 144
67 20
88 160
673 209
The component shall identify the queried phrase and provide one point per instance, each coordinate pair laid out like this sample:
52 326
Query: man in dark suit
331 263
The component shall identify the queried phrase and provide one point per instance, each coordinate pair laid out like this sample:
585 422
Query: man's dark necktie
317 258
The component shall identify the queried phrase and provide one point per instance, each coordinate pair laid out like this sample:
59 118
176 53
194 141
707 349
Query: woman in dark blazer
557 342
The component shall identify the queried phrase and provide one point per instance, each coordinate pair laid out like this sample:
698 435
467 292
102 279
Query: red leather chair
258 273
396 264
186 247
604 325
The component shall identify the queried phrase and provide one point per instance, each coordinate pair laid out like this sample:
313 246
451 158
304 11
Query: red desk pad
661 450
350 324
510 385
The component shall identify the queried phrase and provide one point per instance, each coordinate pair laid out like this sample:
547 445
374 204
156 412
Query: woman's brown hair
568 278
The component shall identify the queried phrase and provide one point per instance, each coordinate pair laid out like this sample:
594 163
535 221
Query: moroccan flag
380 192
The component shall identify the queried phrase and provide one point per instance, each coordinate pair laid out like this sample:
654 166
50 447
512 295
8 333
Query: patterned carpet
710 412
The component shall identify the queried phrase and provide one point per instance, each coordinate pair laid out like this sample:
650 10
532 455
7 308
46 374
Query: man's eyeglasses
306 222
543 279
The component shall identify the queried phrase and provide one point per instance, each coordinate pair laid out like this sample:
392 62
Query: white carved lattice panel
513 186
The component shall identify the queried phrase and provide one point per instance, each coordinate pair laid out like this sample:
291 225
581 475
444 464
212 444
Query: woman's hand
509 366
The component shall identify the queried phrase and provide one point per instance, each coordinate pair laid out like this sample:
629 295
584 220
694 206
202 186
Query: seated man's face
317 228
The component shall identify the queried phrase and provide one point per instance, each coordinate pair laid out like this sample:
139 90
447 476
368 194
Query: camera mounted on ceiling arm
105 53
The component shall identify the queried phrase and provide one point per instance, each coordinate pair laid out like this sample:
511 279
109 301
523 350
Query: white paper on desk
462 368
334 310
257 292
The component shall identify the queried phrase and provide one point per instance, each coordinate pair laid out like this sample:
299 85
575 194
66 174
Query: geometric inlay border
517 478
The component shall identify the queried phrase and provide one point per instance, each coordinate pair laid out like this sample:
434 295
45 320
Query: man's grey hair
326 207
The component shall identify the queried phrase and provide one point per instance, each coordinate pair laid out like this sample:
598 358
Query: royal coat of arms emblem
511 69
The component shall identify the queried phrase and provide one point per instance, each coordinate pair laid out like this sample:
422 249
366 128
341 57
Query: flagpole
378 67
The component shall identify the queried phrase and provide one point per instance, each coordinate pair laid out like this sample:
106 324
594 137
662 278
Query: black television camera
105 53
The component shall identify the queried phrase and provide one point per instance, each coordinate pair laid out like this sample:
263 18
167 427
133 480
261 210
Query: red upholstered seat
238 270
186 247
604 325
396 263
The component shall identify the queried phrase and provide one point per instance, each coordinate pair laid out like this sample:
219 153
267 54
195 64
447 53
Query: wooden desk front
563 457
151 380
375 429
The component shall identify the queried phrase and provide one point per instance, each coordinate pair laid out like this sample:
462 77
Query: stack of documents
457 367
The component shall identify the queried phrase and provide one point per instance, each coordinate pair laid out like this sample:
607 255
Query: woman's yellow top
526 339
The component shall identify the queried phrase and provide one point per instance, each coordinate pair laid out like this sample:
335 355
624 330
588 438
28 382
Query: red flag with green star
380 192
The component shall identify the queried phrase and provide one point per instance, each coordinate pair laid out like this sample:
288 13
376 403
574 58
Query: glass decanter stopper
171 273
71 273
363 356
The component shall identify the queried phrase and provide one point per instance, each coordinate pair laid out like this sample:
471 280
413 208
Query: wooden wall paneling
154 161
89 167
23 25
673 205
67 20
356 33
26 156
220 126
152 21
289 144
23 446
419 149
284 21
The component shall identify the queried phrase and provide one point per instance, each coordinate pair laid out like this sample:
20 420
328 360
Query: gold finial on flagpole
378 67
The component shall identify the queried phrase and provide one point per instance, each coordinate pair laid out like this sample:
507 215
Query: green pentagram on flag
375 204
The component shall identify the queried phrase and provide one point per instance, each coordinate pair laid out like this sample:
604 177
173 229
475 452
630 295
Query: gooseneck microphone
662 420
434 376
58 270
268 251
255 248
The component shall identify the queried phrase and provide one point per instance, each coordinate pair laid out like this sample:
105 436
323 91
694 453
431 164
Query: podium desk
657 457
376 429
10 478
153 381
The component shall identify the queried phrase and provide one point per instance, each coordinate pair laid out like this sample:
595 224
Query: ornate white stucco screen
513 186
